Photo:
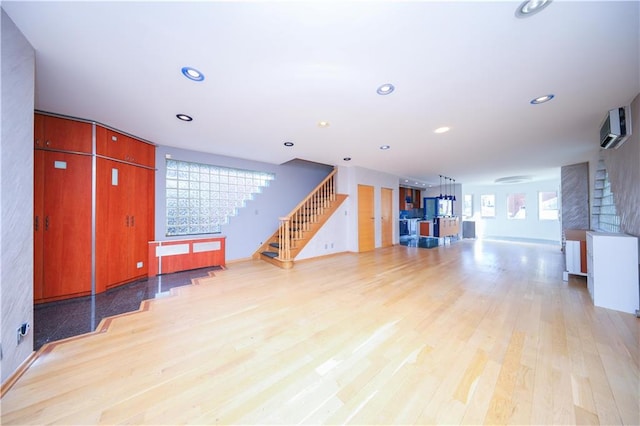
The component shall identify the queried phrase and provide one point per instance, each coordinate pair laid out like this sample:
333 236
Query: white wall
340 234
16 194
500 226
348 180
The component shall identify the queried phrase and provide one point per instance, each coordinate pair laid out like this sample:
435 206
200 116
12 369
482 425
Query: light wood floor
476 332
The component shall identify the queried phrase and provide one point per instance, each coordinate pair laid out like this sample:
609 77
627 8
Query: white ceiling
274 69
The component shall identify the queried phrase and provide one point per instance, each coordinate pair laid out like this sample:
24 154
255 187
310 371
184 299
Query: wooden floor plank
473 332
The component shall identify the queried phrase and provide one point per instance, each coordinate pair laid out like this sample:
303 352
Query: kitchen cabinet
62 134
409 198
119 146
446 226
124 229
426 228
62 225
612 271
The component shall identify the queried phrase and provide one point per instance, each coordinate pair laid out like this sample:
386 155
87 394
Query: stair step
274 245
271 254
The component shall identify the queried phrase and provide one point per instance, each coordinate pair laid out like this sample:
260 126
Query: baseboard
12 379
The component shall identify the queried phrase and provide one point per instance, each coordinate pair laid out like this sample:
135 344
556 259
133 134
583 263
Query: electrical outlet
23 330
140 265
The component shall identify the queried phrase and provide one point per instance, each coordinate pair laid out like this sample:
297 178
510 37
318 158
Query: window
488 205
516 206
201 197
467 205
548 205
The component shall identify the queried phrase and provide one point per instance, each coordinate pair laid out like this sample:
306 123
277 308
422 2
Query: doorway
386 201
366 218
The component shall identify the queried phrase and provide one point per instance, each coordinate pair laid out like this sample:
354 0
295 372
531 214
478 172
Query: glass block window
202 197
604 208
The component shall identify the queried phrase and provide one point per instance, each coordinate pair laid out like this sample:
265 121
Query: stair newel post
284 249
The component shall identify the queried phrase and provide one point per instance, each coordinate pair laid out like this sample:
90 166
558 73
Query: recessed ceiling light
406 180
288 144
385 89
531 7
444 129
542 99
184 117
192 74
323 124
385 147
347 158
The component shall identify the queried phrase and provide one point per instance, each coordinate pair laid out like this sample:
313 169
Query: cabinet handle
132 219
37 142
46 223
36 224
47 143
127 221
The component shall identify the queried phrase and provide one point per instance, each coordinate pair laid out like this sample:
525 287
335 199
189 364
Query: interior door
366 218
139 208
67 224
386 201
112 223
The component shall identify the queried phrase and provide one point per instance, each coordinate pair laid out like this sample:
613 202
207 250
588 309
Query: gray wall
623 166
16 194
575 196
259 218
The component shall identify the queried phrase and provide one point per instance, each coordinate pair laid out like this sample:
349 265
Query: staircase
298 227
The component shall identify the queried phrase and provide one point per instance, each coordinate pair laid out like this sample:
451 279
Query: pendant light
454 189
440 187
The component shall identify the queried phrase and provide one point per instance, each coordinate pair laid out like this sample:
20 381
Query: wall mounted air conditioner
616 128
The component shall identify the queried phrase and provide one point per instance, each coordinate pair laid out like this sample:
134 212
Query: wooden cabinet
409 198
426 228
612 271
63 214
112 144
123 226
62 134
446 226
62 225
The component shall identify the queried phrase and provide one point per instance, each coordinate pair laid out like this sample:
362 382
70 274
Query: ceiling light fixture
288 144
323 124
347 158
440 130
385 89
531 7
542 99
184 117
513 179
192 74
385 147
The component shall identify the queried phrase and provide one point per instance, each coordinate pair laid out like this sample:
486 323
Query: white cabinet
575 250
612 265
573 258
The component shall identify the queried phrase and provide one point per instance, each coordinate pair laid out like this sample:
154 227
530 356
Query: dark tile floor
423 242
66 318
